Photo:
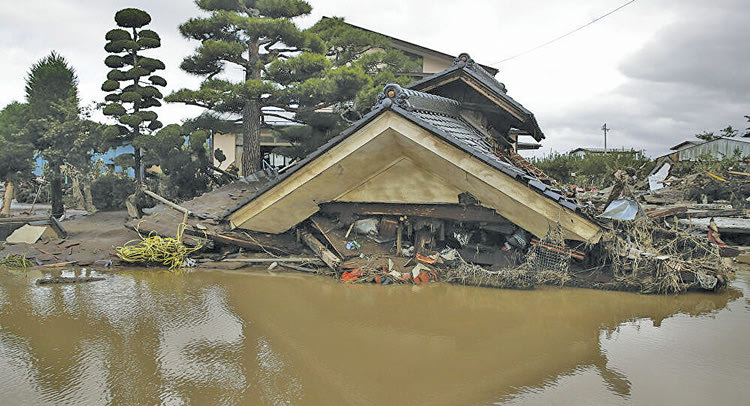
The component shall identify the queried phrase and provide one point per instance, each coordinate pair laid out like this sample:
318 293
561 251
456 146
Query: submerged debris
68 279
16 261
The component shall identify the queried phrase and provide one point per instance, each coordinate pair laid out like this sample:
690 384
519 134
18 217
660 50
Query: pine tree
50 83
15 152
283 66
130 104
367 51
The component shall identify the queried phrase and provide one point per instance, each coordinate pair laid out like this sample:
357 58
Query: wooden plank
321 251
316 222
251 245
23 219
725 224
167 202
668 212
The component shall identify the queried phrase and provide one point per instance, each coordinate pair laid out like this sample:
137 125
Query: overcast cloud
657 72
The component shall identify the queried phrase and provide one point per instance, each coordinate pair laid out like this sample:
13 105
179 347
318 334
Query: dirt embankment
90 239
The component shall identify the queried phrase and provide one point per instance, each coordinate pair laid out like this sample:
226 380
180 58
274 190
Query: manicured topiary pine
283 66
132 85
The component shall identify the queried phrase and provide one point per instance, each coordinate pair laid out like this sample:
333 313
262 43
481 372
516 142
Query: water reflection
145 337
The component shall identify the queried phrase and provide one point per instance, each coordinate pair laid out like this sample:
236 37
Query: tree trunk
251 118
7 199
251 159
137 164
55 192
77 194
88 200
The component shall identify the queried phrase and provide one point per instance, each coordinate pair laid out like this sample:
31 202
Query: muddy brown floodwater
145 337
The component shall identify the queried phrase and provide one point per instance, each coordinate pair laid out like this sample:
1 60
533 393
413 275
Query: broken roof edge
464 63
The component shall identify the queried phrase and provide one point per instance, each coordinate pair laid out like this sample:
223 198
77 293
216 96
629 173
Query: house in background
693 150
432 62
718 148
584 152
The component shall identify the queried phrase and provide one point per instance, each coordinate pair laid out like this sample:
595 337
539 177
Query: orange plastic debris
351 276
426 260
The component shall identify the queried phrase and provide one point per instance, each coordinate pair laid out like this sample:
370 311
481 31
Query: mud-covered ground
90 239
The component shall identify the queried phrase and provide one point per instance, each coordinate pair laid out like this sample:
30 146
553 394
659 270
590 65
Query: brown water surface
144 337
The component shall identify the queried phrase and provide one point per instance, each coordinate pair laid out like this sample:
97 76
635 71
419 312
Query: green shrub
595 171
110 191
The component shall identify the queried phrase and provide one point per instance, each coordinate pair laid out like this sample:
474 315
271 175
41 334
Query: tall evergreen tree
283 66
16 153
346 45
369 51
130 104
50 83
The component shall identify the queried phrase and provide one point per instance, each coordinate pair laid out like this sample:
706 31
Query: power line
564 35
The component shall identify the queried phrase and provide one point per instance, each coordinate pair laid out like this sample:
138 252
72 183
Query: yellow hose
155 249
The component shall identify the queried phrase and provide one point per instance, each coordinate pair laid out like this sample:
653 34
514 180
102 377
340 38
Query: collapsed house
431 171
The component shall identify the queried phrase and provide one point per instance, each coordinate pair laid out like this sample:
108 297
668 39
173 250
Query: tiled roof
465 64
433 113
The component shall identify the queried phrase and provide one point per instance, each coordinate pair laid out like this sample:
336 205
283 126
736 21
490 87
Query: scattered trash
623 209
462 237
449 254
107 262
351 276
518 239
367 226
425 259
353 245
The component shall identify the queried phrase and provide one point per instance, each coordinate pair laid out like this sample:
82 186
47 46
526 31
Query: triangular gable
378 152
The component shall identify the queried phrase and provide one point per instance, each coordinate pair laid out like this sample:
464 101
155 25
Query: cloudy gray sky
657 71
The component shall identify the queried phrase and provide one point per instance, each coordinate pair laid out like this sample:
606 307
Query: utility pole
605 129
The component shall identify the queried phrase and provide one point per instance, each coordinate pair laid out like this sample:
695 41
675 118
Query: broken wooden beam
458 212
239 242
668 212
167 202
316 222
321 251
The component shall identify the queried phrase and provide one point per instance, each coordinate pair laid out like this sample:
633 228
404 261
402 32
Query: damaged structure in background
428 186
